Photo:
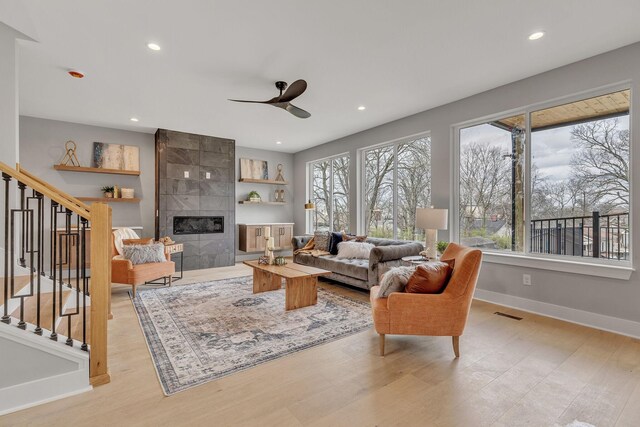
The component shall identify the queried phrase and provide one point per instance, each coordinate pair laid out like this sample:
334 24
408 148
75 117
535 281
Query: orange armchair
123 270
442 314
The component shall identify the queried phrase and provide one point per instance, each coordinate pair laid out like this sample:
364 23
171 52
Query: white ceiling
396 58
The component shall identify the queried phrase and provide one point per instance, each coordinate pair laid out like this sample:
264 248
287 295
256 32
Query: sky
551 149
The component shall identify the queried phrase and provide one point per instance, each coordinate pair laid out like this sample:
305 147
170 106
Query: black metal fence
597 236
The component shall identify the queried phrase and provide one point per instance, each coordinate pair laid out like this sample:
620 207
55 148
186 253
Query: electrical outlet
207 175
526 279
186 174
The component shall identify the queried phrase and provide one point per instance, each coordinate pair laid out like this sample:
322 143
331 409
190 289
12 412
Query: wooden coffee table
302 282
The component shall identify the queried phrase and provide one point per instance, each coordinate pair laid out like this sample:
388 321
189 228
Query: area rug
201 332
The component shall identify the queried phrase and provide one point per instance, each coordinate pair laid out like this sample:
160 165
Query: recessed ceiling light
537 35
76 74
362 107
134 119
279 142
153 46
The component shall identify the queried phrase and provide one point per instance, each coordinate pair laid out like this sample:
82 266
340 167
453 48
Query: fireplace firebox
198 224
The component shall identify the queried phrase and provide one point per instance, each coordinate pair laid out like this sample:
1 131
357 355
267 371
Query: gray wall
42 145
264 213
610 297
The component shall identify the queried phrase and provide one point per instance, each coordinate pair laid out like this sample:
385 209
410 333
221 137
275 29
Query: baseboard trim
43 401
585 318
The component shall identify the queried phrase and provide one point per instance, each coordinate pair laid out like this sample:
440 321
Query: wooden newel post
100 292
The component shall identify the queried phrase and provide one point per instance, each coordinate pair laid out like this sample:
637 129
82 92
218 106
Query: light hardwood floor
533 372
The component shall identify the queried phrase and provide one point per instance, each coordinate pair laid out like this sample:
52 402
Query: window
397 180
329 191
562 192
491 184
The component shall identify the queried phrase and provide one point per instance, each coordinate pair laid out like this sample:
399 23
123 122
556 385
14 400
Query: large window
396 181
563 191
329 191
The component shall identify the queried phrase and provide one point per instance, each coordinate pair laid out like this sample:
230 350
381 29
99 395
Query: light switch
186 174
207 175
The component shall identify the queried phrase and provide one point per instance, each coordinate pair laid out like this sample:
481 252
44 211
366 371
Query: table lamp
431 220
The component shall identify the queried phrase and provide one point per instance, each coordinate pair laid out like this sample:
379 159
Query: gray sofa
363 273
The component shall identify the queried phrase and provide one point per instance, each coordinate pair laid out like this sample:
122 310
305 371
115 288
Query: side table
176 248
413 260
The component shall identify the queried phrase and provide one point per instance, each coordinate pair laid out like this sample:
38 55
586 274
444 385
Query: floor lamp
431 220
310 206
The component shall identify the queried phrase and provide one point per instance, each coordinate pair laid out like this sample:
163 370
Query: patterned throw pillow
321 238
353 238
143 254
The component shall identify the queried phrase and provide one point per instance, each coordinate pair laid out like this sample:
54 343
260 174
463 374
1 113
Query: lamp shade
432 219
309 206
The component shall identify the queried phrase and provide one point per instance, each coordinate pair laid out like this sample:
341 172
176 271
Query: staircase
53 312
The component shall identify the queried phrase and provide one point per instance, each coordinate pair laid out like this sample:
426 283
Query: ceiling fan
283 100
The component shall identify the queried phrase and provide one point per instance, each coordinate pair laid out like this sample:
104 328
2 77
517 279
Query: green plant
107 189
254 194
442 245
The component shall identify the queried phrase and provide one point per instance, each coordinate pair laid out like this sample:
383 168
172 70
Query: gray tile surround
178 152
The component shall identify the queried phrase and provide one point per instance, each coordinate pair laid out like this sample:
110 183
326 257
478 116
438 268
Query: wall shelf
247 202
263 181
108 199
94 170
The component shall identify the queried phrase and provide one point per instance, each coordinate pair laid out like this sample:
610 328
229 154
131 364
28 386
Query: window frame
362 214
567 263
310 215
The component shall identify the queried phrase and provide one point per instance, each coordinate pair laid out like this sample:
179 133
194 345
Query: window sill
620 272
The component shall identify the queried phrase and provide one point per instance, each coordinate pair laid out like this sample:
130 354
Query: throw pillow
143 254
146 241
430 278
333 243
350 250
321 238
395 280
353 238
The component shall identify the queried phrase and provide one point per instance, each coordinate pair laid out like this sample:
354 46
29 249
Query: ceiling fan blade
250 102
294 90
298 112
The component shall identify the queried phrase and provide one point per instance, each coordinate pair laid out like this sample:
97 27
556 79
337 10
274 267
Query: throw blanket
120 234
309 249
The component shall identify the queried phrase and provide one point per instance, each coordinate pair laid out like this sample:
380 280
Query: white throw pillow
350 250
395 280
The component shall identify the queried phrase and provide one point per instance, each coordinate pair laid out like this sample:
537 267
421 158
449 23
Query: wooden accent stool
302 282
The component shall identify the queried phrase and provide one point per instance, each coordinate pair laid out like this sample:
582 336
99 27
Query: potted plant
107 190
254 197
442 245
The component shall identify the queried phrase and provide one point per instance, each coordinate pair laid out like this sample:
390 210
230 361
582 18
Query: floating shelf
263 181
247 202
94 170
108 199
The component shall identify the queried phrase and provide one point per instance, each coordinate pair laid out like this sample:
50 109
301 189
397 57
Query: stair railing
25 231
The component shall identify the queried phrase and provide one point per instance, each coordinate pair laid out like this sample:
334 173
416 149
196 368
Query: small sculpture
279 177
70 158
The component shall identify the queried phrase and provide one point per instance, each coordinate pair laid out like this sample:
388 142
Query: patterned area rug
198 333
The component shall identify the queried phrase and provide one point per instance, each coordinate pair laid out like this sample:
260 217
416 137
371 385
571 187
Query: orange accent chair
123 271
442 314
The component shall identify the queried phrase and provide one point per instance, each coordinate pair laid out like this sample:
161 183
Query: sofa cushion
354 250
333 243
321 239
356 268
430 278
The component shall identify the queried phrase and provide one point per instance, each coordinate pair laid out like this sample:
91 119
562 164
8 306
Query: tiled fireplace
195 197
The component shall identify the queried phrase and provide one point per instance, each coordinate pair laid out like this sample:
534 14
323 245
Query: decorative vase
255 199
108 195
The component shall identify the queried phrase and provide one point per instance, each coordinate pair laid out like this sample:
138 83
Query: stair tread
46 306
20 283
